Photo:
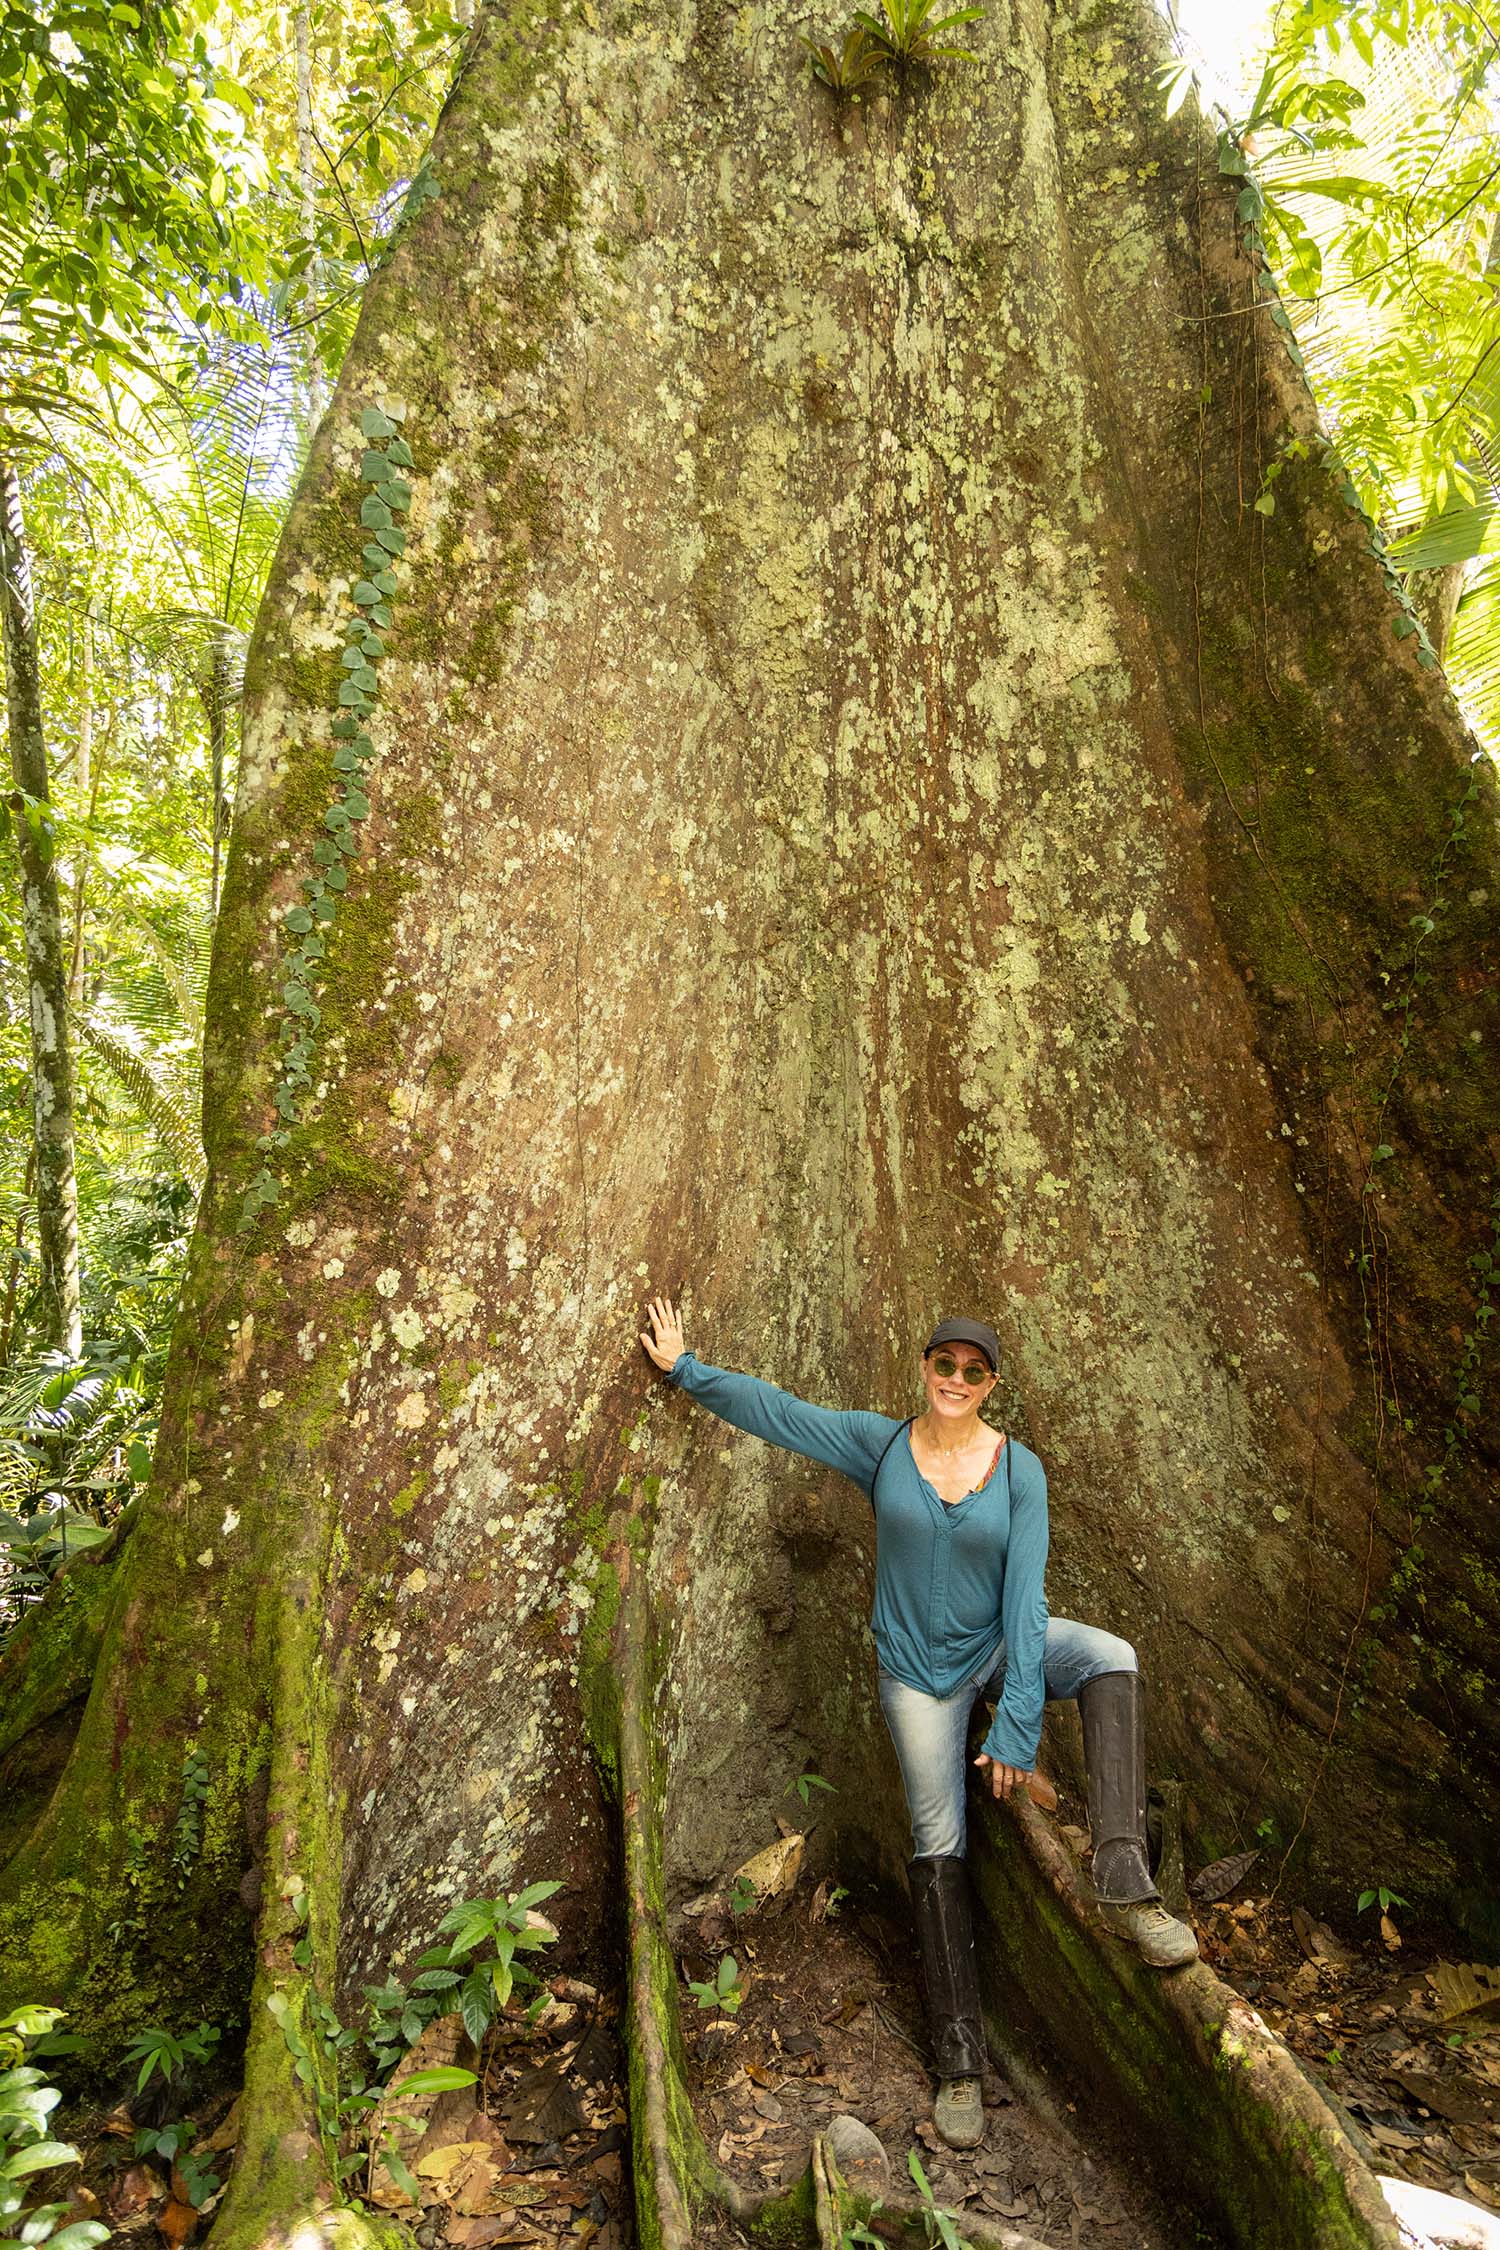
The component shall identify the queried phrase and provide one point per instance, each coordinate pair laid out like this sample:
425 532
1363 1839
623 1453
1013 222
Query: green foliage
806 1783
906 32
743 1896
170 2143
26 2104
187 1829
476 1972
124 145
495 1930
1380 1897
909 32
725 1991
162 2053
1369 159
941 2224
73 1442
851 69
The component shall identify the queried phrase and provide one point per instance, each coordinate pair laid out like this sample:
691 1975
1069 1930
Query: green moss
406 1499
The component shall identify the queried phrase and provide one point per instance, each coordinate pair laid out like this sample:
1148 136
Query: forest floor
831 2024
824 2020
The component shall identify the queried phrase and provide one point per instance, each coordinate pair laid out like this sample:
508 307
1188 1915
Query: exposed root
675 2174
1181 2061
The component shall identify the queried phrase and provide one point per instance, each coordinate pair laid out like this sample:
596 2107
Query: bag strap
890 1441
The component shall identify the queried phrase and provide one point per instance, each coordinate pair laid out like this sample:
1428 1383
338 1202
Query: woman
960 1608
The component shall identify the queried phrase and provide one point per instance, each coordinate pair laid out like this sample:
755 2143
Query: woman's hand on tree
1002 1778
664 1345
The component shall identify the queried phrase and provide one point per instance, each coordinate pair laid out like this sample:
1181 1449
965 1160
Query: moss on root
1184 2066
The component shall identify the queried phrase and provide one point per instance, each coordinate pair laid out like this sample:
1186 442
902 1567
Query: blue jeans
931 1731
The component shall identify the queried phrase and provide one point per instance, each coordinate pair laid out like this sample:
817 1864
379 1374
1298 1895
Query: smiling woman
960 1610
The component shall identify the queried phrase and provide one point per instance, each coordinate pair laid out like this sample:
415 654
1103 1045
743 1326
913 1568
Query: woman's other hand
664 1345
1002 1779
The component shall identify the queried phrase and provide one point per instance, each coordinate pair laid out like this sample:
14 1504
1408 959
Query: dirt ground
831 2023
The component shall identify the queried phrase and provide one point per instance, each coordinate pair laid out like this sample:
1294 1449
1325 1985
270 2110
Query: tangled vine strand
372 601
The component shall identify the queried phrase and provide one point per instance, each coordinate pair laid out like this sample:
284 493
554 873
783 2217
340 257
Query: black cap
966 1332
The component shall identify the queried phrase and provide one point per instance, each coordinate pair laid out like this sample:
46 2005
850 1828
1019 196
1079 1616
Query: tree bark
867 822
42 922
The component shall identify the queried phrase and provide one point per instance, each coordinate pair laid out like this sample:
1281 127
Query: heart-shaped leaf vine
385 495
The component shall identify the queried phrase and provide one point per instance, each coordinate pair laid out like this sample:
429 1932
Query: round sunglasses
973 1370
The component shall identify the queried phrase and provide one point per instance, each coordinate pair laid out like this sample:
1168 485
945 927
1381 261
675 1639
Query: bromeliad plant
308 925
908 31
905 32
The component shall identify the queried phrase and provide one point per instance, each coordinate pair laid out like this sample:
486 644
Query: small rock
857 2153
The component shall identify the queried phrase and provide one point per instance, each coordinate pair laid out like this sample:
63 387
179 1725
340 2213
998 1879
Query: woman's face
951 1397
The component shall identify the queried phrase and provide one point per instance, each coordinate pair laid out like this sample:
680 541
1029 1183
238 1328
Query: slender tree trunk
859 819
317 392
84 788
46 968
216 708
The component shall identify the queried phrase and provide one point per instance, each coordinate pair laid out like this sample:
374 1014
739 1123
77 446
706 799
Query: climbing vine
310 924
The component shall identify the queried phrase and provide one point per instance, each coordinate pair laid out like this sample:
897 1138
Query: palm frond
155 1100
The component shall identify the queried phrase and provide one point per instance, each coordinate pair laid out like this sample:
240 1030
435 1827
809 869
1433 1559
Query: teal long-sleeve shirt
950 1582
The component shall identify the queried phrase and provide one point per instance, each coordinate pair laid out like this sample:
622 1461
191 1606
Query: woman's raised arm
850 1442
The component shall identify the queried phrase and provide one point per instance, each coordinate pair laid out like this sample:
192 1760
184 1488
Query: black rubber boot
945 1940
1113 1712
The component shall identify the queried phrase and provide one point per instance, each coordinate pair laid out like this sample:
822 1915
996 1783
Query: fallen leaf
444 2044
1389 2137
773 1872
224 2135
177 2223
1003 2202
476 2233
1441 2096
136 2186
1390 1934
1483 2191
439 2162
1222 1876
1465 1988
543 2107
1316 1938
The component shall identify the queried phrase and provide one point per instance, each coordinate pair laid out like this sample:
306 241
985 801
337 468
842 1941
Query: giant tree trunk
42 927
867 821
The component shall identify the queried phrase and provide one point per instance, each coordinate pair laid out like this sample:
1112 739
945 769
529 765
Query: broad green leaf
438 2078
40 2156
